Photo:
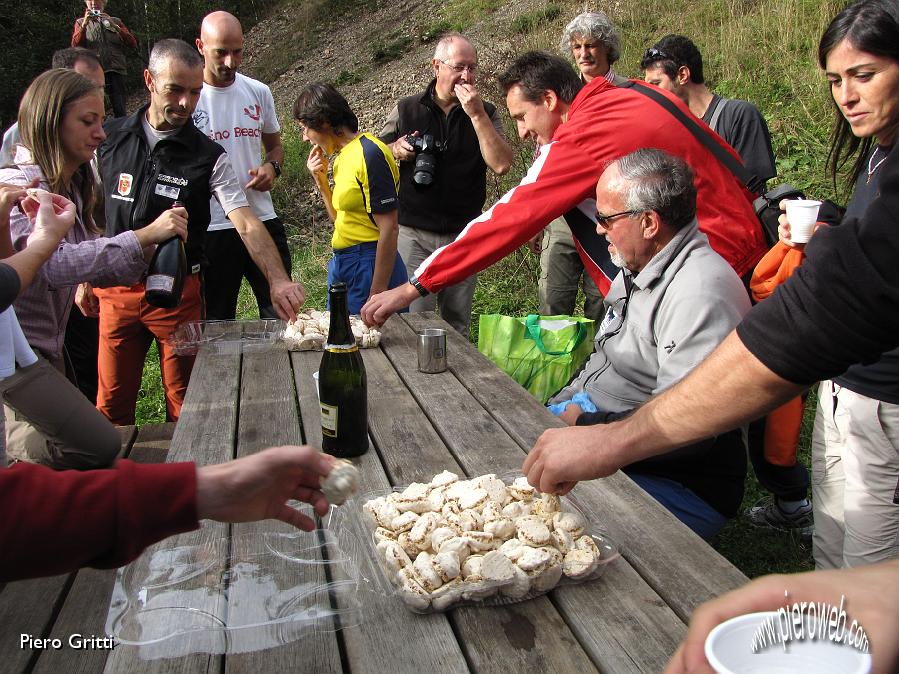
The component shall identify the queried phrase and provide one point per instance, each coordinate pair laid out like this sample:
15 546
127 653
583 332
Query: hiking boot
767 514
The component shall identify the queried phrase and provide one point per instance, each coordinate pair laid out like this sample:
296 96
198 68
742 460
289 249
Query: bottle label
160 282
329 420
341 348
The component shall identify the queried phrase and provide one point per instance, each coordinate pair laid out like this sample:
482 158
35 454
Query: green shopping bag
539 352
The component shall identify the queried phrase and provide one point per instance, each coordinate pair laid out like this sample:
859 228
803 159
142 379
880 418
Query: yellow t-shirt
366 181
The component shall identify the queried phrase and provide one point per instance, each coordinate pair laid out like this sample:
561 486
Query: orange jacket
784 423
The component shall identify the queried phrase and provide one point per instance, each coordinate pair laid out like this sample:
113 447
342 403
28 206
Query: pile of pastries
309 331
454 540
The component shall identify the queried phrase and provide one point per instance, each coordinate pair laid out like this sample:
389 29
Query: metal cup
432 350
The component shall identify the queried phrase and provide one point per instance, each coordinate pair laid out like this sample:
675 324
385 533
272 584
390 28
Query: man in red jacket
601 123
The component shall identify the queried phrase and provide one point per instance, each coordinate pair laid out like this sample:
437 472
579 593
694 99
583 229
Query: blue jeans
355 266
685 505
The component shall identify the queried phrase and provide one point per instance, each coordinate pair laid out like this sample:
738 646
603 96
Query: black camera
426 149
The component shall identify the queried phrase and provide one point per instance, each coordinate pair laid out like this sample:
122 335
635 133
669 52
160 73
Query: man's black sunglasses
653 54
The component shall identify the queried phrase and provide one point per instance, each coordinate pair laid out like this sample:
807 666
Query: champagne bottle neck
339 332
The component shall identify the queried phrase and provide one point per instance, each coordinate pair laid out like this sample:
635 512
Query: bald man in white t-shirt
238 112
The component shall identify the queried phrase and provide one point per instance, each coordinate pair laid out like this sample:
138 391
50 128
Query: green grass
390 49
526 23
756 551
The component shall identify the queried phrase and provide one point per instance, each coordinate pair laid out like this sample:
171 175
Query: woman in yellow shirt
363 203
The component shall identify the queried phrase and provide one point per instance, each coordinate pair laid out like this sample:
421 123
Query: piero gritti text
76 642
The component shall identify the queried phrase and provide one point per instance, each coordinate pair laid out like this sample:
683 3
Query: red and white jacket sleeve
560 179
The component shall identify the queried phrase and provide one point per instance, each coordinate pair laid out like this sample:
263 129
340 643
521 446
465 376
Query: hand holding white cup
802 214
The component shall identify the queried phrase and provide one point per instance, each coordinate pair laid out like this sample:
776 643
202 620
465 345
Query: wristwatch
277 167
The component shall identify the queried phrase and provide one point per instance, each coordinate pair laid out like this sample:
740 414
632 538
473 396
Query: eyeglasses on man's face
460 67
604 220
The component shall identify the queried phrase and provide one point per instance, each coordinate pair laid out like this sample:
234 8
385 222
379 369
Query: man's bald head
221 44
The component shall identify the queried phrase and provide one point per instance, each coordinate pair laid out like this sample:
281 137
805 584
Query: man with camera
444 139
107 36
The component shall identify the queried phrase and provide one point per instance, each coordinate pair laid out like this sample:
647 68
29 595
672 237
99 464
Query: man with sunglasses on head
469 139
673 302
674 63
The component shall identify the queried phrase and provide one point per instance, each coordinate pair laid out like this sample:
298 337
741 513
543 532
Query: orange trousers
128 325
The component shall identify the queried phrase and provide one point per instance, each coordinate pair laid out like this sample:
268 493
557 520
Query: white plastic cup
315 377
802 215
728 648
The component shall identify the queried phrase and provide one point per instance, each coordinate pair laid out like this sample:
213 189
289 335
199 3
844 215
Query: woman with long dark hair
48 419
855 445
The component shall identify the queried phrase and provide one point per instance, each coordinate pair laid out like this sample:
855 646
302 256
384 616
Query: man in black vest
470 137
149 161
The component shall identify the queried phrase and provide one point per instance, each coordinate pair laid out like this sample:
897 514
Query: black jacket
841 306
138 184
460 186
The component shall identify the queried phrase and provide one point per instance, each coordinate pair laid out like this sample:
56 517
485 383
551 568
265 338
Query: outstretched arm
688 412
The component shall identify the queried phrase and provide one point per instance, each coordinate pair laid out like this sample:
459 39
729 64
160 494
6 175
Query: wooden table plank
410 448
646 532
470 433
33 606
628 628
389 636
87 603
268 416
28 607
205 435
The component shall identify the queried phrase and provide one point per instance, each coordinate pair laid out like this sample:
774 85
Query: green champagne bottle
342 384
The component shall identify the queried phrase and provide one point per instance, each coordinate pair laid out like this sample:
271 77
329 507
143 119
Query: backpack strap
755 184
713 122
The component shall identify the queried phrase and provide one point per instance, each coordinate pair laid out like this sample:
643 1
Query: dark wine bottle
165 275
342 384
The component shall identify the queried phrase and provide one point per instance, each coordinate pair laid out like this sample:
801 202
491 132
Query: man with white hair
593 43
468 137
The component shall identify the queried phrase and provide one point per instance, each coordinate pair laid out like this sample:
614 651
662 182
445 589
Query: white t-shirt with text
236 117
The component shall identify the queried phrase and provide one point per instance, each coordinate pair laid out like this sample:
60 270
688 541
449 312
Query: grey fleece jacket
680 307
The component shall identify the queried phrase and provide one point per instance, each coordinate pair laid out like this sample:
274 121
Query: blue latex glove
581 399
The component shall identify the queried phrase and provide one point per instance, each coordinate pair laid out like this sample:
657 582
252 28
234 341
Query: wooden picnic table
471 419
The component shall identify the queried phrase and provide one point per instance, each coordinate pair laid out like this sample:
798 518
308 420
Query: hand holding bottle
168 268
170 223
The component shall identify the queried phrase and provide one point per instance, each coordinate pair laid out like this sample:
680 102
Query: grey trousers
561 272
453 303
855 468
49 421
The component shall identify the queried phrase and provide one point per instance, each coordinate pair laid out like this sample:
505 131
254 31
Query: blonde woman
48 419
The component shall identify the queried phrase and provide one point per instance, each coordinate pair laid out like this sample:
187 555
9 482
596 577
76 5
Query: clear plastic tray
491 594
237 595
226 337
